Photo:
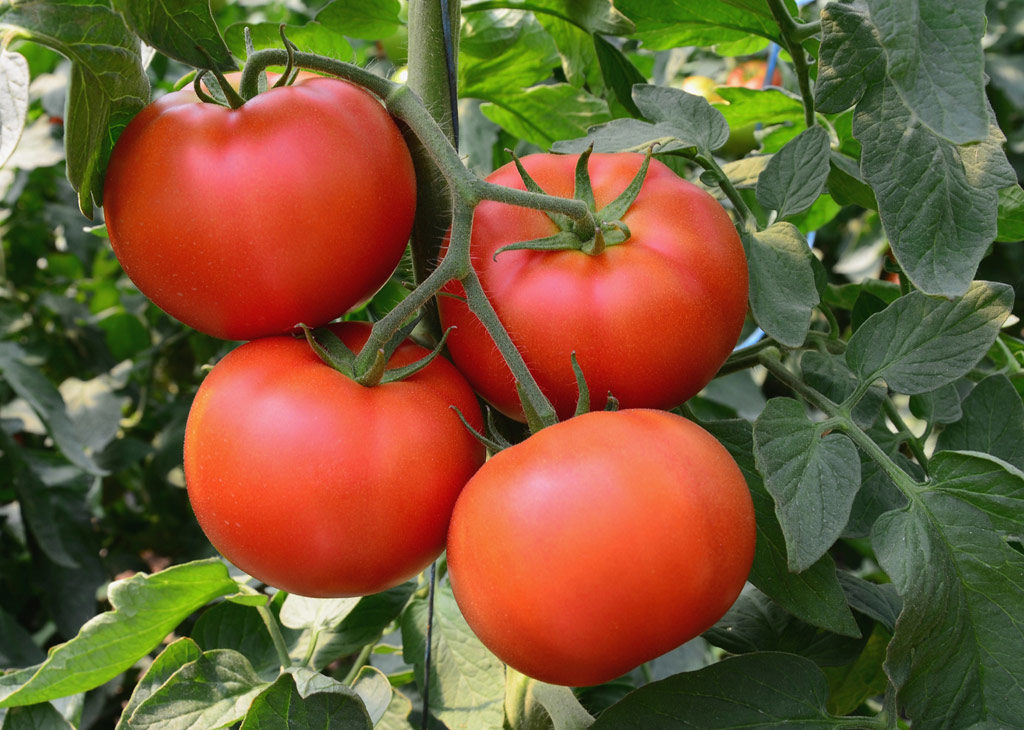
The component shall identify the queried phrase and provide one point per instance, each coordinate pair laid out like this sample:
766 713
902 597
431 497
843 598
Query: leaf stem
910 439
360 661
842 420
274 628
747 217
791 42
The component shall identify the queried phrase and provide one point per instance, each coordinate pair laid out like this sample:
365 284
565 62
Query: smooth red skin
650 320
243 223
750 75
317 485
600 543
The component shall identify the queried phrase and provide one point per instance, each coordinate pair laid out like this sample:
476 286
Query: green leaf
14 80
212 691
188 34
829 375
815 595
374 689
760 106
369 19
534 705
919 343
623 135
467 682
145 609
108 84
878 601
941 405
992 422
957 655
507 51
311 37
619 74
1010 223
34 387
763 690
846 184
929 52
796 174
593 16
986 482
852 684
936 164
756 623
812 476
43 716
782 289
364 625
301 612
229 625
281 706
693 121
547 113
177 654
675 23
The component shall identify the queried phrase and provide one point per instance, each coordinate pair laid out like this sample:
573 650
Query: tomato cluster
584 550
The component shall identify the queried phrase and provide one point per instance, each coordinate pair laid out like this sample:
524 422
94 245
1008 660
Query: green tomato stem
747 217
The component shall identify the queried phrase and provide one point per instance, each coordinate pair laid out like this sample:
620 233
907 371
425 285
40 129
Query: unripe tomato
246 222
701 86
600 543
320 486
651 319
750 75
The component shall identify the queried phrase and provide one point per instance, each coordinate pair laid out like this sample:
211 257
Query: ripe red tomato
600 543
320 486
651 319
750 75
245 222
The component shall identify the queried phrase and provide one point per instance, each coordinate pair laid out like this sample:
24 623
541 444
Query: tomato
320 486
651 319
245 222
600 543
701 86
750 75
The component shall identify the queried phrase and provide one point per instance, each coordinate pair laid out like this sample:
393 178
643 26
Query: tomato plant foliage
873 404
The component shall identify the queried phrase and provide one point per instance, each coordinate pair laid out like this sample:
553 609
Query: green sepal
492 445
329 348
562 221
395 374
584 190
561 241
533 419
583 402
618 207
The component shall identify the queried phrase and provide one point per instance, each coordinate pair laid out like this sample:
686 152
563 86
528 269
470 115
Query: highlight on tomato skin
320 486
246 222
651 319
600 543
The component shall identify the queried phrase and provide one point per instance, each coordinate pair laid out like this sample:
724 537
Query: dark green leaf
782 289
281 707
763 690
852 684
846 184
919 343
43 716
178 32
814 595
812 476
229 625
796 174
957 656
941 405
876 600
829 375
993 422
663 25
146 609
623 135
108 85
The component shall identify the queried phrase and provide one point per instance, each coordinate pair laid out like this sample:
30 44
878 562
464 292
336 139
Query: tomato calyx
224 94
335 353
608 230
